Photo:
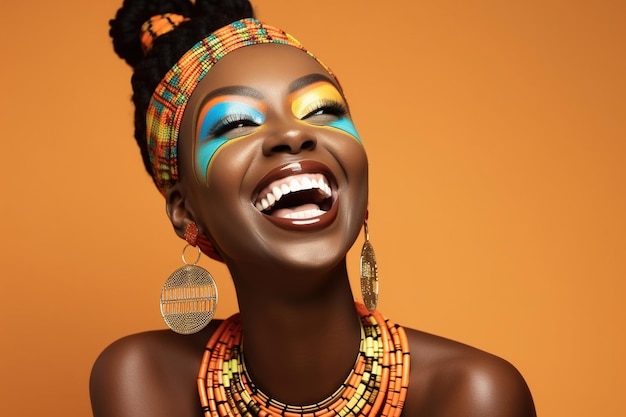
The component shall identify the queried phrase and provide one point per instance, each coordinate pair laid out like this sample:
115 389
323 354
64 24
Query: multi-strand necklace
376 386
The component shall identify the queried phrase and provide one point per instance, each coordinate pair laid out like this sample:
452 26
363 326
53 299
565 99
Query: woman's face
271 166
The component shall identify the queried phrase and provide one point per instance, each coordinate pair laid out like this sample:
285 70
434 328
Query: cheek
209 155
228 220
354 156
357 164
222 209
228 189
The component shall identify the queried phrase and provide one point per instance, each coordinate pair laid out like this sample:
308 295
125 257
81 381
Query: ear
175 205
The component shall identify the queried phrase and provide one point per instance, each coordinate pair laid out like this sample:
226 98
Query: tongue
304 211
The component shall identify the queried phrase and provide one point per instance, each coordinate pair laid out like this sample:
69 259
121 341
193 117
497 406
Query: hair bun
125 28
222 12
206 16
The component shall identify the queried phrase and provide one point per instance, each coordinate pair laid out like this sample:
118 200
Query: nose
293 140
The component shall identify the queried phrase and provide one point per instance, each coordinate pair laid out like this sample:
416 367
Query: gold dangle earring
189 295
369 271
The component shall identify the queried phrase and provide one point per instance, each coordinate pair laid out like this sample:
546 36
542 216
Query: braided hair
205 16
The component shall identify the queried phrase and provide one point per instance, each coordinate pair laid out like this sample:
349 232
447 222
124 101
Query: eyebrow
307 80
236 90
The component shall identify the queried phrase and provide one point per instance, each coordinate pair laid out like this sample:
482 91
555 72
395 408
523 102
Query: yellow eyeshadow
315 93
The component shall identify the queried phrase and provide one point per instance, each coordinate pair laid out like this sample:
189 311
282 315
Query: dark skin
301 330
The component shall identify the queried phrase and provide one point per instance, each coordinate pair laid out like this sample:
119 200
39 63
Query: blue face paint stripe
347 126
205 154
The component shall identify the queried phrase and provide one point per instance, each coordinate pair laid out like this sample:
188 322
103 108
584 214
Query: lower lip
314 223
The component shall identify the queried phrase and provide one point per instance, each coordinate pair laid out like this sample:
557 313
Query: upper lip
292 177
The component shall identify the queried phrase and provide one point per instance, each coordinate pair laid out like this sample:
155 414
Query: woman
249 138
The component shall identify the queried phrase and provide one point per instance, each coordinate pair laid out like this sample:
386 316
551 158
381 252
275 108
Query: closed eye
233 125
228 120
324 112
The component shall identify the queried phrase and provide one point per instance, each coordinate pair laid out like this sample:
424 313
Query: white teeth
277 193
306 184
295 185
279 188
307 214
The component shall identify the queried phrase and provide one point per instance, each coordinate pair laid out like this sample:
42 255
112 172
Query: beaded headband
169 100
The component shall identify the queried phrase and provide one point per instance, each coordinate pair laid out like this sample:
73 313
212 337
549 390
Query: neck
298 328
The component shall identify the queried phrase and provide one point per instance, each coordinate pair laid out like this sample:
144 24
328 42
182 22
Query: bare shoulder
149 374
449 378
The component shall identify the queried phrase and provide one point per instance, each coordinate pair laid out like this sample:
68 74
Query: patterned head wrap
168 102
159 25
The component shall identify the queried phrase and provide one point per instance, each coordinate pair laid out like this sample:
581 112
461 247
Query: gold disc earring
189 295
369 272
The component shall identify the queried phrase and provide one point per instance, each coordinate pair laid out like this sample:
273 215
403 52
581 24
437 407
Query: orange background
496 136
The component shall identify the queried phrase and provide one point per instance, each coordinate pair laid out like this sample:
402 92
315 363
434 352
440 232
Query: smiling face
271 166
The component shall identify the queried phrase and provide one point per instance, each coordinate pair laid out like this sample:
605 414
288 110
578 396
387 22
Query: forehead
268 68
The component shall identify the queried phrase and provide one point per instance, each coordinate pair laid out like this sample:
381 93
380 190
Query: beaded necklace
376 386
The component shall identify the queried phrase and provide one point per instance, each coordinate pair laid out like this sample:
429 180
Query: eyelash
231 122
327 106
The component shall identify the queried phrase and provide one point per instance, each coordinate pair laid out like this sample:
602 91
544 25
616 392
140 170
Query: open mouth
301 192
296 197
